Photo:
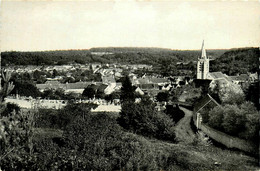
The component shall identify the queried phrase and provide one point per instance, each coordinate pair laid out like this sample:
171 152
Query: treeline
236 61
149 56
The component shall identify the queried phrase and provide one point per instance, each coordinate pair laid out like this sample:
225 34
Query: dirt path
184 133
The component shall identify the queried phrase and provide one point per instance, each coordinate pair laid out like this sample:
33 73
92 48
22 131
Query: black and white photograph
129 85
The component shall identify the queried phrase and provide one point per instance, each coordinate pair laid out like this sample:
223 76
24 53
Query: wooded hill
123 55
231 61
235 61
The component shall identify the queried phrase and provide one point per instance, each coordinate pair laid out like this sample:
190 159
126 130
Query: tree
10 107
163 96
233 97
112 96
55 73
234 120
142 118
16 130
127 90
7 87
252 94
89 92
230 94
26 89
100 94
174 112
216 116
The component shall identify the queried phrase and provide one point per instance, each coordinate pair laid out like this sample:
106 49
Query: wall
227 140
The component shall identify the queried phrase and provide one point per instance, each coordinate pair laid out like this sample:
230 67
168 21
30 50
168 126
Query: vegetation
252 94
127 91
163 96
175 113
73 138
237 61
236 120
142 117
89 92
149 56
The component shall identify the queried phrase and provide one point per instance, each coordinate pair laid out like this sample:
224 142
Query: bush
103 144
163 96
16 131
236 120
47 118
174 112
9 108
216 118
143 119
50 118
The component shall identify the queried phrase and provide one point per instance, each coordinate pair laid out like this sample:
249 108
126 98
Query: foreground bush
236 120
142 118
59 119
174 112
96 142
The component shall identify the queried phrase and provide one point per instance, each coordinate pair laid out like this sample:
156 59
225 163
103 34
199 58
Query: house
108 79
77 87
110 88
50 85
204 102
139 91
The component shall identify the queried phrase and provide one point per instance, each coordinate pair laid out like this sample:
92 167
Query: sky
61 25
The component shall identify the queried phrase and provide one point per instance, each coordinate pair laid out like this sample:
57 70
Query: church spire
203 51
203 64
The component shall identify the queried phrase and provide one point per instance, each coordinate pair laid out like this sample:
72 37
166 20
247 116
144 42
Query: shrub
234 120
174 112
216 118
50 118
102 144
16 131
143 119
47 118
237 120
162 96
9 108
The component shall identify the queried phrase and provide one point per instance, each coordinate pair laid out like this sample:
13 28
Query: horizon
129 47
62 25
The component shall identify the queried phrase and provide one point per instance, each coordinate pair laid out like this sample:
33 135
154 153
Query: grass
189 157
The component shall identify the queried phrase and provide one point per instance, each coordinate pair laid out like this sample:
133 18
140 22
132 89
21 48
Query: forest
236 61
149 56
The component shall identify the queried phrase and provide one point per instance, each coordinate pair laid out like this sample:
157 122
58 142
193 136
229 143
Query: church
203 74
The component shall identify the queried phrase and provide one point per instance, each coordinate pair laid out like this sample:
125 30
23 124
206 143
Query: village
129 85
106 79
188 99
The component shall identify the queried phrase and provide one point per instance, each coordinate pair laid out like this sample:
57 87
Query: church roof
217 75
241 77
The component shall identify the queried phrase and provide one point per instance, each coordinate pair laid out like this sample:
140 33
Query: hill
123 55
234 61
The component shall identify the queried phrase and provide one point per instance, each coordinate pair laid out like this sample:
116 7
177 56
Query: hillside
236 61
124 55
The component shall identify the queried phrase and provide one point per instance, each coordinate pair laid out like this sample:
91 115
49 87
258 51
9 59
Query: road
184 133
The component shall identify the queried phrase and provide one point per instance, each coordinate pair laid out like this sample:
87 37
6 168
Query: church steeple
203 64
203 51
